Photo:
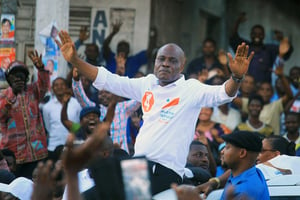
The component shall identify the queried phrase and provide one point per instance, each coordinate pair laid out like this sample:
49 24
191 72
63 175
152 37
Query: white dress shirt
51 115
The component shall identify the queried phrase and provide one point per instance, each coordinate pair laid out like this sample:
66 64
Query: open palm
67 46
239 65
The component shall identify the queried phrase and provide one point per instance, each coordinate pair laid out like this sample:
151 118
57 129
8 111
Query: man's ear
243 153
182 64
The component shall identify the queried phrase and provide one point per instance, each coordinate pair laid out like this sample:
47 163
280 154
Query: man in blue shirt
121 58
239 154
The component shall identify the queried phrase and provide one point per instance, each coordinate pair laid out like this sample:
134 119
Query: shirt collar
243 176
175 83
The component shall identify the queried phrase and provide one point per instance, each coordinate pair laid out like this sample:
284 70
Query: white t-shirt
170 113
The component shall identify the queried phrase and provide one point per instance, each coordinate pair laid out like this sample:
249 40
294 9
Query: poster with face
51 51
7 33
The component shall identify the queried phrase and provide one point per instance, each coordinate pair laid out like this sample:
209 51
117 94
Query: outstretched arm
68 50
64 115
115 29
238 67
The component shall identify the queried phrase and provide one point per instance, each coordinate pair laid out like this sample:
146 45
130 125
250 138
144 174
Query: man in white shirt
170 104
57 133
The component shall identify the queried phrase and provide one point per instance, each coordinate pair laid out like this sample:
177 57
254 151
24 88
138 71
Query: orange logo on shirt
174 102
147 101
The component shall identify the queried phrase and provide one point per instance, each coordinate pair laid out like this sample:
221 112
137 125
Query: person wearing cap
22 129
240 154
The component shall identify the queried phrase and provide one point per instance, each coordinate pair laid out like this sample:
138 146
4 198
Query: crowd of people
227 120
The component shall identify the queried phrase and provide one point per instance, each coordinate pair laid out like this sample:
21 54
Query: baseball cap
88 110
16 66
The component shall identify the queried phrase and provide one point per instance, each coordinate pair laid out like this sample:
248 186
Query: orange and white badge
147 101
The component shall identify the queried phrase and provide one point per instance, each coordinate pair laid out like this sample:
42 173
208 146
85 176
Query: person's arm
285 83
115 29
238 67
43 82
64 114
46 118
78 91
68 50
285 49
290 103
235 39
213 183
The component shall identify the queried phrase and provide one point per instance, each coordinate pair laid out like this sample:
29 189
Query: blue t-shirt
132 65
250 183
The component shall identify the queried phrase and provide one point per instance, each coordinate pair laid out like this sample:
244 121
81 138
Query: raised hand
242 18
239 65
279 70
222 57
116 26
36 59
75 74
67 47
186 192
284 47
83 33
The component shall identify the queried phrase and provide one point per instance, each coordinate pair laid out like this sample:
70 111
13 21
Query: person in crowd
197 164
132 63
265 54
271 112
224 114
292 125
134 124
10 159
22 128
212 131
239 154
253 123
294 104
92 51
166 99
57 133
123 110
74 159
277 157
207 62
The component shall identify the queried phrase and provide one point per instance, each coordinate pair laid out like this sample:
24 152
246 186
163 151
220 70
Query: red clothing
21 122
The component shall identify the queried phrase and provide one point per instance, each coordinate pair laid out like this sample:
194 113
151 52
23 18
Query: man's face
89 122
255 108
104 97
198 156
247 85
17 81
295 76
169 63
11 163
292 123
59 87
5 28
257 36
266 153
208 49
230 156
91 52
266 92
